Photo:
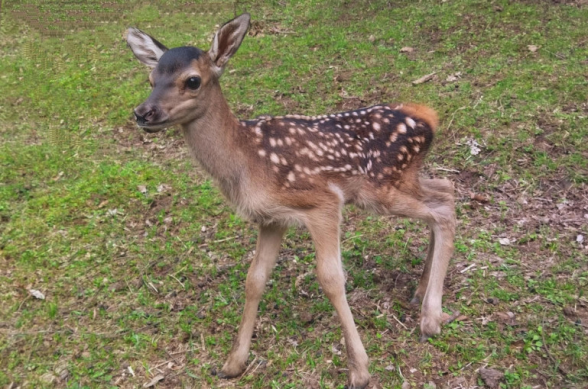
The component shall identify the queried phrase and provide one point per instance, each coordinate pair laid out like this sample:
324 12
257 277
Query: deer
280 171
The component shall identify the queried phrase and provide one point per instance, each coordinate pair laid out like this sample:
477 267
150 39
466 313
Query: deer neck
212 140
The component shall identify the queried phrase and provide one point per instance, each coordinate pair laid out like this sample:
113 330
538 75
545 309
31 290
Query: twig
399 322
453 116
351 237
424 79
248 367
184 351
256 367
223 240
447 170
559 368
23 301
179 282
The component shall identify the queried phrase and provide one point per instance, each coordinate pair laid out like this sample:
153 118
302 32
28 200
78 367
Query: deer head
184 79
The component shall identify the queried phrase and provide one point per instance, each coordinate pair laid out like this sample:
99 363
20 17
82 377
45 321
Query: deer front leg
266 254
325 233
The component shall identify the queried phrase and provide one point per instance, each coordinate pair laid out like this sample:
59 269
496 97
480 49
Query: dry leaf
478 197
372 38
37 294
453 77
155 380
504 241
507 318
59 175
491 377
532 48
406 50
163 188
474 146
142 188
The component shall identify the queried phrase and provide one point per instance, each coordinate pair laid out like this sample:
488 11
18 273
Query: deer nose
145 117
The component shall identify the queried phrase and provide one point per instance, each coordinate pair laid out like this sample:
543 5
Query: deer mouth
154 127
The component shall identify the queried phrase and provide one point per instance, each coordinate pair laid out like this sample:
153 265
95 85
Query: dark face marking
177 59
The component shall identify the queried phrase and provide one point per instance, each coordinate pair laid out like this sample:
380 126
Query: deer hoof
358 380
228 372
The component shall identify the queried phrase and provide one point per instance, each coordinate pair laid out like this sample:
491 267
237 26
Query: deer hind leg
434 205
266 254
421 289
324 229
434 185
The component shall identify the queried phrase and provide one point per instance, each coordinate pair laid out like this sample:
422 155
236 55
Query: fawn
284 170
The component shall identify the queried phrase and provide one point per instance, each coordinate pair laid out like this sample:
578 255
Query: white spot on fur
401 128
411 123
376 126
274 158
261 153
291 176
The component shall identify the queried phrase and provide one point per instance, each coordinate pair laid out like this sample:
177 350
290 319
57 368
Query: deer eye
193 83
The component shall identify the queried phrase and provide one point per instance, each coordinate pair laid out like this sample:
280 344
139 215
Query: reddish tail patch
422 112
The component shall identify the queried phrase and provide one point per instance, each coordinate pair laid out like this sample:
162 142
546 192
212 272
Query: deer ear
228 39
147 49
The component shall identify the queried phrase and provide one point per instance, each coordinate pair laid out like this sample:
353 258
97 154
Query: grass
142 263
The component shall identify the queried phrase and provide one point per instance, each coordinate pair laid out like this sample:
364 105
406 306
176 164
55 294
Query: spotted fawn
288 170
